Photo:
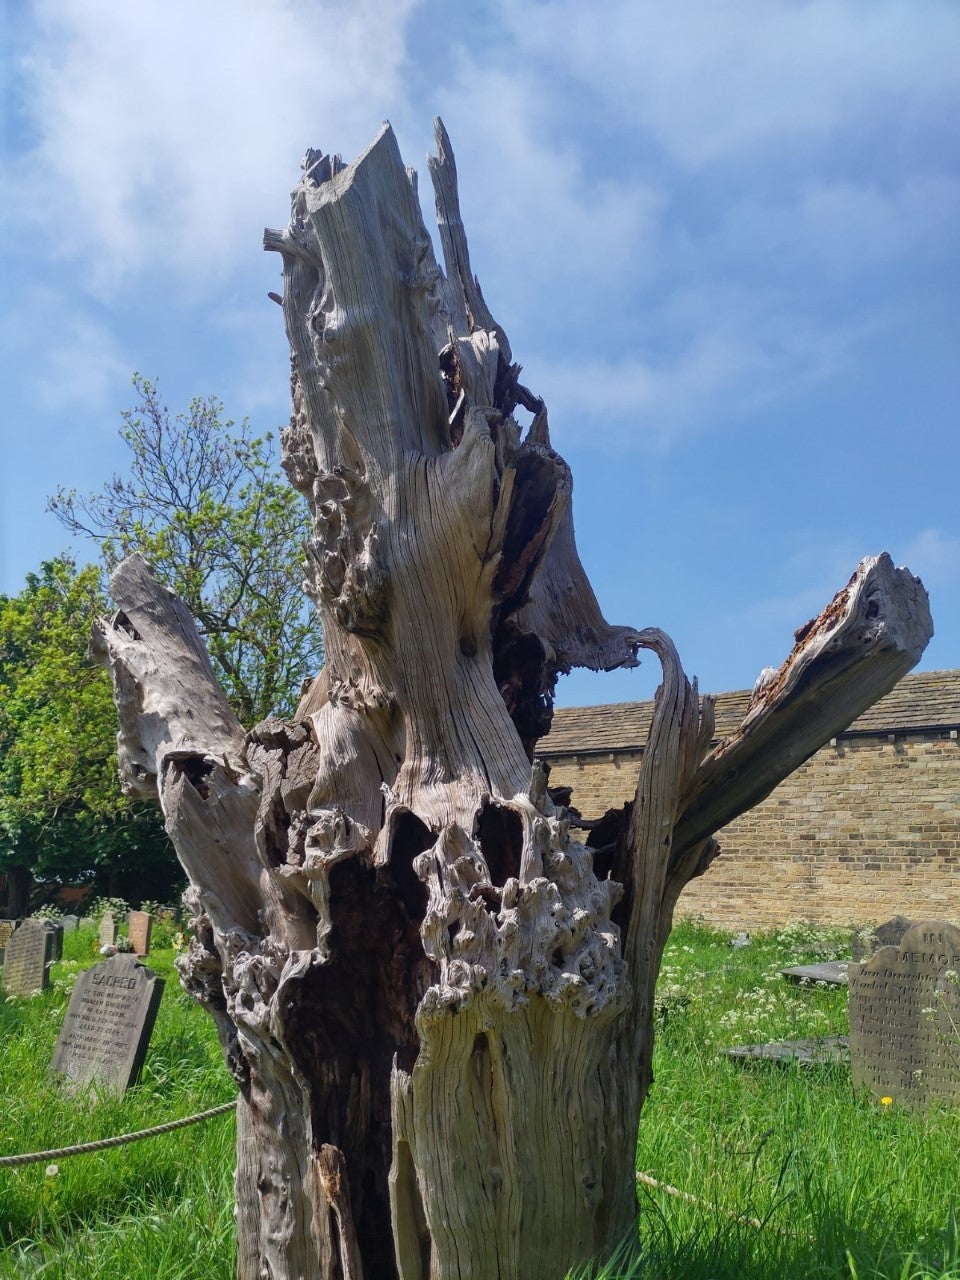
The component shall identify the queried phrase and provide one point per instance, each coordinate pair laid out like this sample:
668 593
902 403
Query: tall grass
845 1188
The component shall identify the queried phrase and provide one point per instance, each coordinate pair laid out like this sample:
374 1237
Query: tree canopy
62 813
204 503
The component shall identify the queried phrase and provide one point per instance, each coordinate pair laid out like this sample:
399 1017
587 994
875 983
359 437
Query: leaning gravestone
108 930
6 933
105 1034
889 934
25 961
139 924
905 1017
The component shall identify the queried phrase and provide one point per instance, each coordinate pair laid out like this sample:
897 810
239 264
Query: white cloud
813 573
816 569
169 130
720 354
812 131
545 219
83 362
713 81
838 228
934 556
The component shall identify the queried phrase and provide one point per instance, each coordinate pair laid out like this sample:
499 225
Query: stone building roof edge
928 700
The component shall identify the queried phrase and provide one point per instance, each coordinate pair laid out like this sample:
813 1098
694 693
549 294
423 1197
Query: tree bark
437 1000
19 883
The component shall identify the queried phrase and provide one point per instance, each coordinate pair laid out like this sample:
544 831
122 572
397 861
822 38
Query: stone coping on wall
925 703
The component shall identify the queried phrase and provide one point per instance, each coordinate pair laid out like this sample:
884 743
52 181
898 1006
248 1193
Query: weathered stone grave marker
139 924
108 930
26 958
812 1051
832 972
106 1031
54 932
905 1015
865 942
6 933
70 923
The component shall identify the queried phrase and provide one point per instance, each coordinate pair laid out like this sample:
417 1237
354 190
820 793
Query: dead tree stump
435 997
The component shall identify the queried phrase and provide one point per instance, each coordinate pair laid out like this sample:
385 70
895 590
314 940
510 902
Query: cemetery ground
841 1186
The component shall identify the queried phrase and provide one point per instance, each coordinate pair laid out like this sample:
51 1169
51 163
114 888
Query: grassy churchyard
159 1207
835 1186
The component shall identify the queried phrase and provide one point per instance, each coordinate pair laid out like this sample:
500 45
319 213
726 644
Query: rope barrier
60 1153
81 1148
692 1199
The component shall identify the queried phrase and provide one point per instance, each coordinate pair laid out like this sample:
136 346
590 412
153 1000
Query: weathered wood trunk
435 994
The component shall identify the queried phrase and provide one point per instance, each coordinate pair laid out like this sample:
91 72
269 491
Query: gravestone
865 942
6 933
108 930
54 940
70 923
25 961
905 1017
139 924
106 1031
832 972
810 1052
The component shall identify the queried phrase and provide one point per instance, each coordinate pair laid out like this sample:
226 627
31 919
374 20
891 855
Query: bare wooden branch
167 697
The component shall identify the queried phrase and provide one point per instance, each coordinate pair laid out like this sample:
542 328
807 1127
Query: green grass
845 1188
162 1206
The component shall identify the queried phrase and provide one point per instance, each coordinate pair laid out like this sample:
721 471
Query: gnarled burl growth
436 1000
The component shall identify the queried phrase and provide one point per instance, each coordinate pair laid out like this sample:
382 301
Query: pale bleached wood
866 639
166 694
436 1000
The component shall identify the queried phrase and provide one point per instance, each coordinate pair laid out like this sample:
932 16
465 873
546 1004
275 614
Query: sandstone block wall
865 829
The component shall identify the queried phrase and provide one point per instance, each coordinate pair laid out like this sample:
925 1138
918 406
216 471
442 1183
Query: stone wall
865 829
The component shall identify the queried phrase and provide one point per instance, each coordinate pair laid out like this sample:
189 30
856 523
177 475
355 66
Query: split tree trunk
435 997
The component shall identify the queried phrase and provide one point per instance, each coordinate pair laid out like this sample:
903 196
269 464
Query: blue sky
723 240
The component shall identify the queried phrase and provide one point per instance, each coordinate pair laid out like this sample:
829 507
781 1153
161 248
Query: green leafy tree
204 503
63 818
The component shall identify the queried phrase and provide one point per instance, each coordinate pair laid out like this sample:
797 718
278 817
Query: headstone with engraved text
108 930
139 924
25 961
106 1031
904 1017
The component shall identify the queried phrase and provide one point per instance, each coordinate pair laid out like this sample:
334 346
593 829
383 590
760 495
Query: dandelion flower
52 1170
885 1102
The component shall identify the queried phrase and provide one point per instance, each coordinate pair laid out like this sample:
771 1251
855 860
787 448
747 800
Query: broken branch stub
867 638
